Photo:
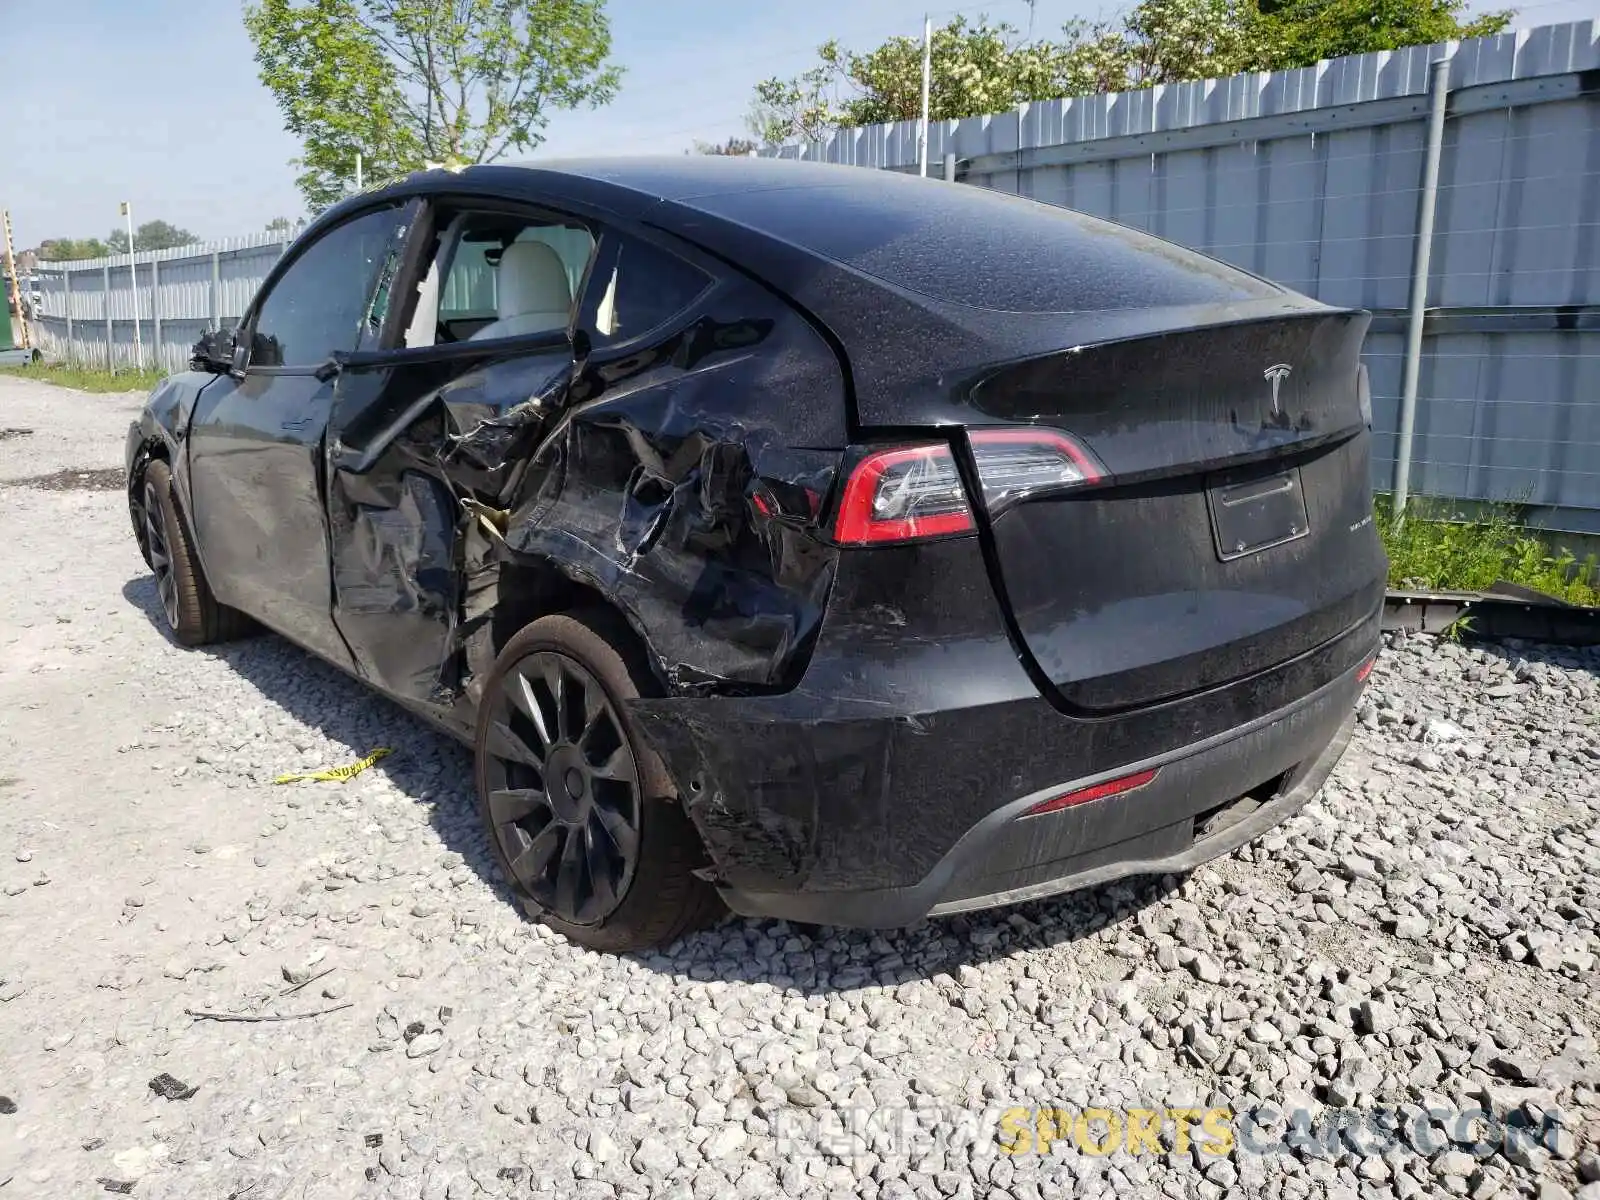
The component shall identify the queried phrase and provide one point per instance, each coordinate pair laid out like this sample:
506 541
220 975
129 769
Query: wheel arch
152 447
530 586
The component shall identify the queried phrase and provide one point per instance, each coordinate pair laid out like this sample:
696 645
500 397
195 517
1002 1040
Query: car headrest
532 278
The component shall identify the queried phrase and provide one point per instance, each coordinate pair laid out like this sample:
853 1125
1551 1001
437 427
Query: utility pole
23 340
1032 4
133 288
927 80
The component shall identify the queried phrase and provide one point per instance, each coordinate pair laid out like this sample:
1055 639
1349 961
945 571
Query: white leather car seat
534 295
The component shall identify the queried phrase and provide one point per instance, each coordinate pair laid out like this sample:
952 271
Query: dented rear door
416 439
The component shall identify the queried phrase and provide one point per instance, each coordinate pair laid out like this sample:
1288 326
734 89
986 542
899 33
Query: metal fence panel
184 291
1311 177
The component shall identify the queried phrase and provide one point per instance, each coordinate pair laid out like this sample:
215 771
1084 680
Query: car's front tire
580 812
192 612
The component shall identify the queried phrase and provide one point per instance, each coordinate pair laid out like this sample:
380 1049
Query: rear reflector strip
1366 669
1099 791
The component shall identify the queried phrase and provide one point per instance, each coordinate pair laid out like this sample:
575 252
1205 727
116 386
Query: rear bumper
1193 811
890 784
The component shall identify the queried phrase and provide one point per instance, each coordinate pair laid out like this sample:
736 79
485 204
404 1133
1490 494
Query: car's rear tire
603 853
192 612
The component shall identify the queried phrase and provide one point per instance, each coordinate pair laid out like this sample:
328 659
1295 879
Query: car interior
496 276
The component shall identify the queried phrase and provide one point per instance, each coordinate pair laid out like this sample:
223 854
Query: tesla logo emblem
1276 373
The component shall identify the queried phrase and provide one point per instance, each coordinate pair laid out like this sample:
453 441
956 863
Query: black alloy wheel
193 614
155 539
583 818
564 793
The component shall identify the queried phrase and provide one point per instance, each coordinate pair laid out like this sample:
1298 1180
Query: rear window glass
645 287
978 247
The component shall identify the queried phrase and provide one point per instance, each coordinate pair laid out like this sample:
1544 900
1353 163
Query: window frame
612 238
442 210
406 209
609 231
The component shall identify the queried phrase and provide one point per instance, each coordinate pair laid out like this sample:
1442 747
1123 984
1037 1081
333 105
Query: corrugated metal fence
89 308
1314 178
1311 177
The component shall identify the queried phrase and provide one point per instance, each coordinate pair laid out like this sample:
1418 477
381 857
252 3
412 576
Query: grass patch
87 379
1435 548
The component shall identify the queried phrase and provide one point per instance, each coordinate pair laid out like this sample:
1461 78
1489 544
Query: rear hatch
1223 521
1173 452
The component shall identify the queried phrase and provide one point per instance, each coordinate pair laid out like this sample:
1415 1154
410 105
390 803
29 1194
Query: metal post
133 288
105 308
133 299
1438 98
927 81
216 289
358 170
949 168
66 302
155 314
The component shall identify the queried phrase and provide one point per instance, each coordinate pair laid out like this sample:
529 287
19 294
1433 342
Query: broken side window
317 305
497 275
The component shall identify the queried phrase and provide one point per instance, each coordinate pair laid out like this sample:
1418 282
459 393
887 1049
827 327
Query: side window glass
320 303
646 285
378 308
496 276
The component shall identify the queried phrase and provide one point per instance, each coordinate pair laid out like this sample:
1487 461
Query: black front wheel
193 614
579 809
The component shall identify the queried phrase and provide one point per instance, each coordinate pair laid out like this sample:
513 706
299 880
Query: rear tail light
914 492
901 495
1099 791
1366 669
1016 463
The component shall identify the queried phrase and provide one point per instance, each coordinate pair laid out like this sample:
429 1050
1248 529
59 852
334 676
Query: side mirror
213 352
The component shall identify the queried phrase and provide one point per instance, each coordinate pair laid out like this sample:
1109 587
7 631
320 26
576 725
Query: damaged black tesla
810 541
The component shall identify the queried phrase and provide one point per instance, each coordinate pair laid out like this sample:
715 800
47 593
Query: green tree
1302 32
984 68
279 225
734 147
794 110
977 68
413 83
152 235
69 249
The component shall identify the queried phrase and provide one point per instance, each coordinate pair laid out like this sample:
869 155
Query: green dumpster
10 353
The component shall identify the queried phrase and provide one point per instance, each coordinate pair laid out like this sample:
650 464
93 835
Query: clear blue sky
157 101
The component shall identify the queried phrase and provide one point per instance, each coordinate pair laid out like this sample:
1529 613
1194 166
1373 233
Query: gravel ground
1423 938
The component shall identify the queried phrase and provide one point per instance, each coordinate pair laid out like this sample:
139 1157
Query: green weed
88 379
1437 548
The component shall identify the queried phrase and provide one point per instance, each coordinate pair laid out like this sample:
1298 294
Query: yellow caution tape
337 774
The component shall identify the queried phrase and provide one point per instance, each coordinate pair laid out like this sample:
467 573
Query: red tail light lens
1366 669
901 495
1099 791
914 492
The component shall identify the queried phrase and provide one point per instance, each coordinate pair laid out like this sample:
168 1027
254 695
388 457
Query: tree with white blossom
983 67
